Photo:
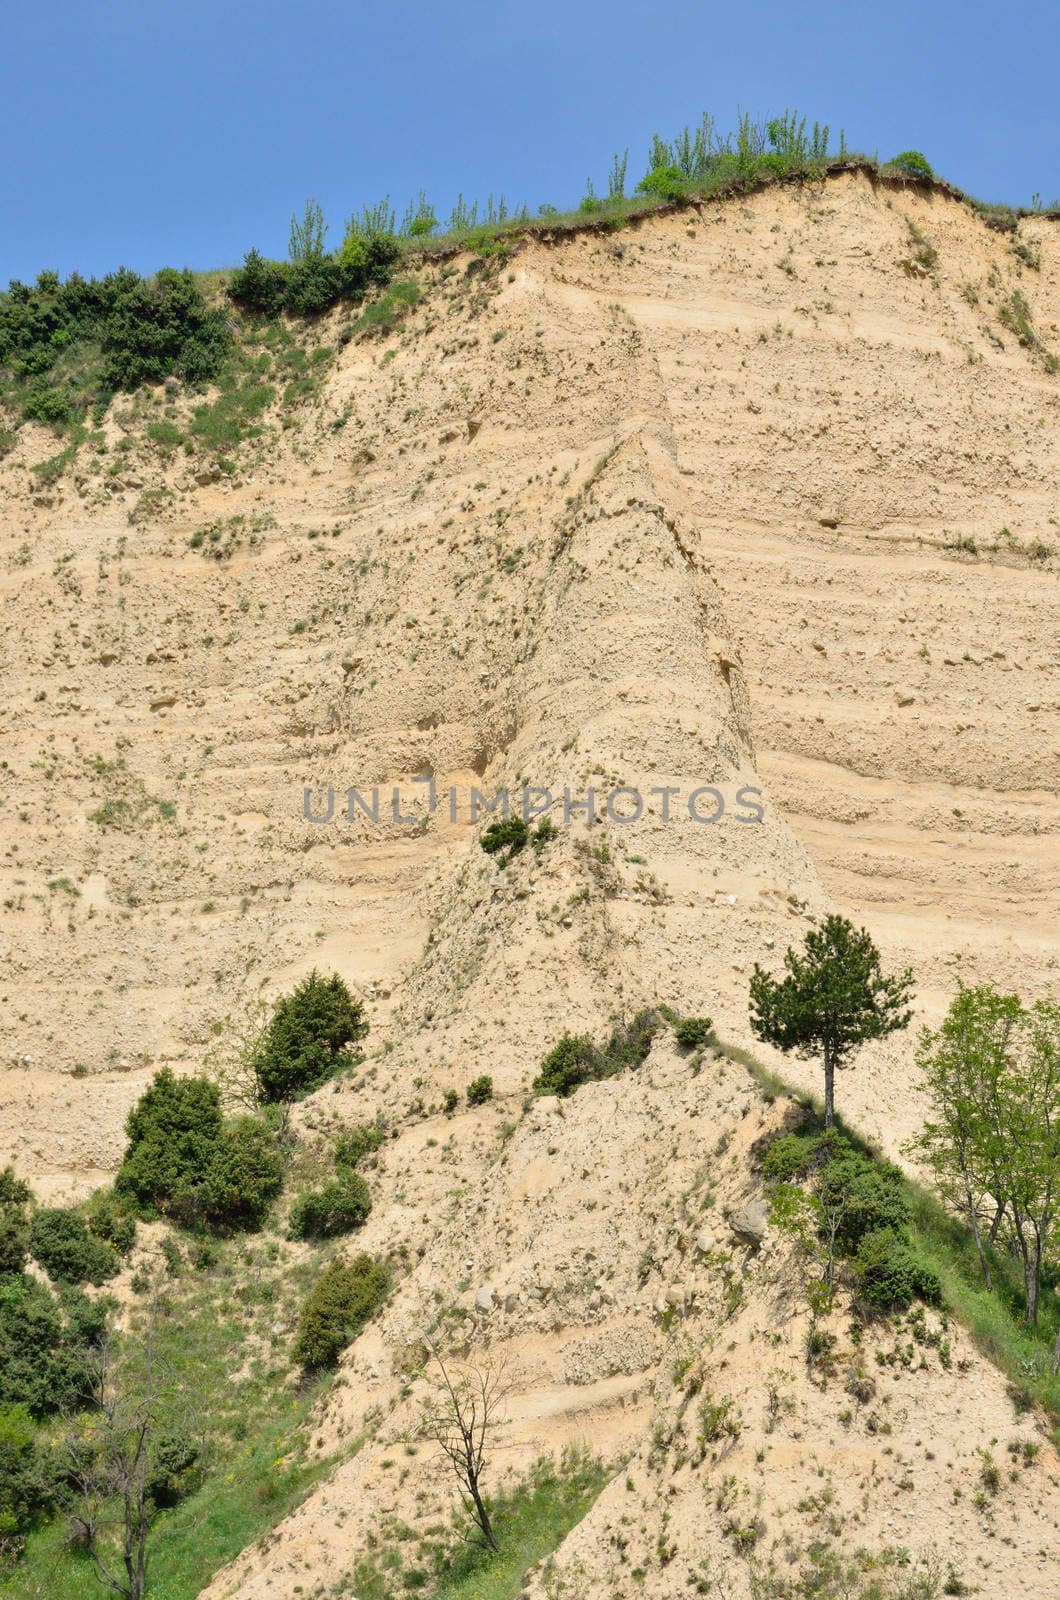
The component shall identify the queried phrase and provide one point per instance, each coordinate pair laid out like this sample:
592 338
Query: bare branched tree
109 1454
229 1058
461 1420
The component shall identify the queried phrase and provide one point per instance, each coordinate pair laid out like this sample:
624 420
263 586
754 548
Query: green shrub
173 1470
185 1160
576 1059
172 1131
789 1157
630 1042
14 1241
573 1060
13 1192
692 1033
313 285
870 1194
337 1307
29 1480
108 1220
664 183
479 1090
338 1208
888 1274
306 1038
14 1224
912 162
259 285
243 1175
351 1148
46 1343
383 314
511 835
60 1242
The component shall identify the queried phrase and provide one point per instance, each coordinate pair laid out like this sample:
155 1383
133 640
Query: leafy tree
306 1040
961 1064
834 999
992 1077
913 162
479 1090
308 233
337 1307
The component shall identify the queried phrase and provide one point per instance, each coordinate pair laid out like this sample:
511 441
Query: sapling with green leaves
834 998
992 1075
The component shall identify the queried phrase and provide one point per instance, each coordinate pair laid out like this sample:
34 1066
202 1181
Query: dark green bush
60 1242
14 1223
307 1037
29 1480
185 1160
789 1157
869 1193
513 834
67 346
889 1276
510 834
13 1192
479 1090
692 1033
242 1177
172 1132
46 1345
313 285
161 327
338 1208
351 1148
314 281
337 1307
172 1471
259 285
14 1241
912 162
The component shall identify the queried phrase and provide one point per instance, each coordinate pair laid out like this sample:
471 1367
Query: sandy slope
686 505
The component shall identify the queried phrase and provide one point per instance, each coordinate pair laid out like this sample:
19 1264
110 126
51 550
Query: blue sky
150 134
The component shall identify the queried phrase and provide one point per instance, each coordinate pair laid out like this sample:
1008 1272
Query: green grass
214 1331
531 1522
994 1319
